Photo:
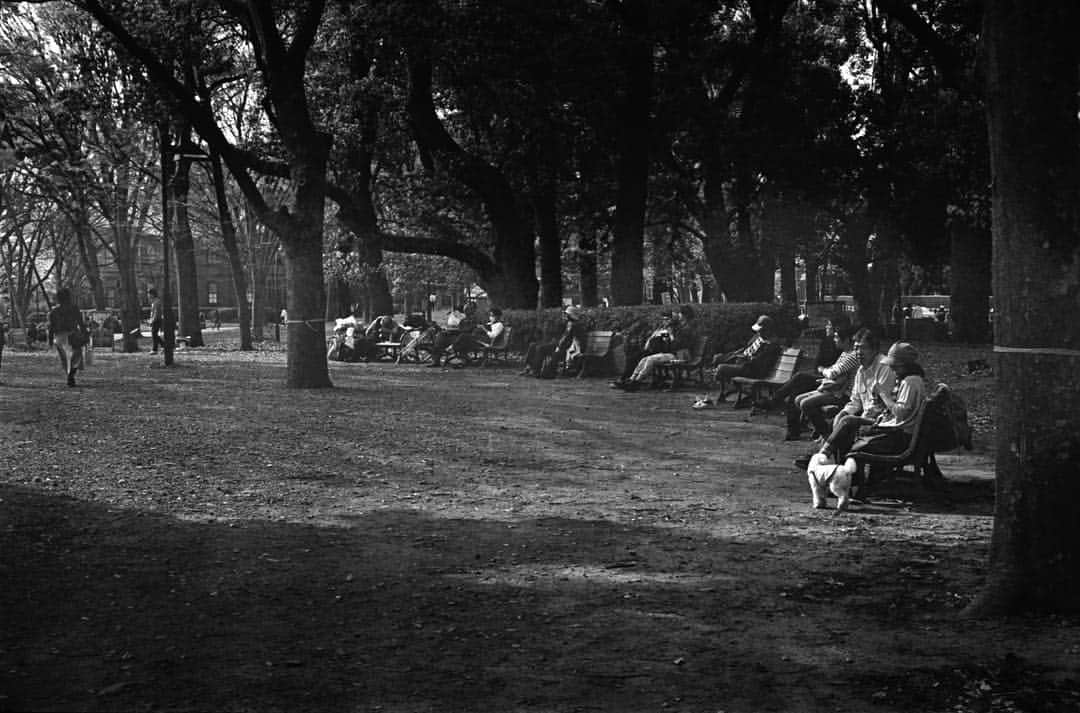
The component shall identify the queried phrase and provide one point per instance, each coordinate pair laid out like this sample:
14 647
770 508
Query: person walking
156 320
68 332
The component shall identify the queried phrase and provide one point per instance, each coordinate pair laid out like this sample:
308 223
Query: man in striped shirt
825 385
832 389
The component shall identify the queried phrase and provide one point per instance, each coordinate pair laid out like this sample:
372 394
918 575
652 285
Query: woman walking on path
65 322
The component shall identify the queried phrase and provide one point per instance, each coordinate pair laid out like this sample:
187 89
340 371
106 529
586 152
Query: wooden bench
700 356
597 350
918 454
499 346
784 370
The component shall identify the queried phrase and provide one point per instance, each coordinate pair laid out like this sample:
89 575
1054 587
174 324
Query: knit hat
901 353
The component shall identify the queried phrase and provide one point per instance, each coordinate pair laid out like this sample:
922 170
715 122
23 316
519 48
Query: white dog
826 476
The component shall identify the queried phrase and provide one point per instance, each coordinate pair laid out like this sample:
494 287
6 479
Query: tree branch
944 56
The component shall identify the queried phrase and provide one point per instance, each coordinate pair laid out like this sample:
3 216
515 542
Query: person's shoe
525 372
702 402
631 386
71 379
620 384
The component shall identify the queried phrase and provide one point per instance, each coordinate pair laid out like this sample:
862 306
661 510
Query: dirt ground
201 538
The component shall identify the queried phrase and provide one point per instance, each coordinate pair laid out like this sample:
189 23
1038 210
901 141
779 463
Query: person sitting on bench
684 334
460 320
481 336
754 360
564 353
807 392
896 408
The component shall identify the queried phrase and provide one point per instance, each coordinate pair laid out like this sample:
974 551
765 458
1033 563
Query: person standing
65 322
156 320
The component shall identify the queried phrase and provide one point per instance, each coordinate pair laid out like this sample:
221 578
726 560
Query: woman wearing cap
892 428
564 351
753 360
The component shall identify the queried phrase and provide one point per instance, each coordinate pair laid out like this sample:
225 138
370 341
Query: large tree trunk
306 291
628 235
971 275
1031 74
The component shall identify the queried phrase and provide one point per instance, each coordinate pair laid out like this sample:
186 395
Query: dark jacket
65 318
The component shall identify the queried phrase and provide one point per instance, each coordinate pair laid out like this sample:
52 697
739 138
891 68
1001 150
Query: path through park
200 538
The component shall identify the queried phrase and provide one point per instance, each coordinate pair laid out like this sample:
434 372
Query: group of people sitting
455 341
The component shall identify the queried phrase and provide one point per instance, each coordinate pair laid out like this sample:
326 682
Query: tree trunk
88 251
130 309
547 227
628 235
717 226
587 269
187 283
813 288
971 275
236 264
510 280
1031 59
306 291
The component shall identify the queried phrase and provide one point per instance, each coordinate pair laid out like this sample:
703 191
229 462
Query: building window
211 293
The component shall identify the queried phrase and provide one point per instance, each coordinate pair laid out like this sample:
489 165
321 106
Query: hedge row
727 323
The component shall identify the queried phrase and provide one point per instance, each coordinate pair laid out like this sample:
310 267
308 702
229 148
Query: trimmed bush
727 323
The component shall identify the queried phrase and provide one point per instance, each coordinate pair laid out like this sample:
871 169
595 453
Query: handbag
77 339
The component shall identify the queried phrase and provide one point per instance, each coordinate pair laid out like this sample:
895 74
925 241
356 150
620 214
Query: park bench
677 370
782 372
500 346
597 350
919 454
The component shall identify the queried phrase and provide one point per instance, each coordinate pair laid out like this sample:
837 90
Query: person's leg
442 342
633 356
812 406
724 373
155 335
647 366
799 383
844 433
63 350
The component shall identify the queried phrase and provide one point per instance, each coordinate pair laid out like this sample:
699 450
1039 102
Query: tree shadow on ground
113 609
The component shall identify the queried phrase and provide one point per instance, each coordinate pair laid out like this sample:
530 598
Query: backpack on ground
945 423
